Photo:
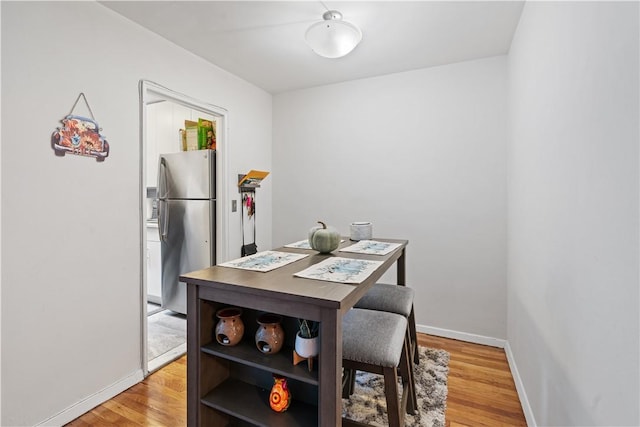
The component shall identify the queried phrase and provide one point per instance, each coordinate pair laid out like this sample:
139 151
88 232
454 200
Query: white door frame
152 92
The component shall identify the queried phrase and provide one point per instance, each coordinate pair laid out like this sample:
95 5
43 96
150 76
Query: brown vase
270 335
230 328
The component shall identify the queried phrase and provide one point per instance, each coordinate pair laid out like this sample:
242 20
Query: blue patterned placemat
301 244
343 270
264 261
371 247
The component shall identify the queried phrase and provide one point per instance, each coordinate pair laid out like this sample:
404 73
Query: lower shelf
251 404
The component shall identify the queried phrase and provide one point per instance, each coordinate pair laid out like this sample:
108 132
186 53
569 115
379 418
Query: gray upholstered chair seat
391 298
376 341
373 337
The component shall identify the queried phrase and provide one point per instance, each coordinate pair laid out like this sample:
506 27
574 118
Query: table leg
400 268
330 369
193 369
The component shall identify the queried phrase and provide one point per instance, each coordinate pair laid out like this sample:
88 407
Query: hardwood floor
481 392
159 400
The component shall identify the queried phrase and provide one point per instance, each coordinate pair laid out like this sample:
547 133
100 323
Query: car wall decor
80 135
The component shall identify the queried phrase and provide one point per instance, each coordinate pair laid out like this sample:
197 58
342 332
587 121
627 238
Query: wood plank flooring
481 392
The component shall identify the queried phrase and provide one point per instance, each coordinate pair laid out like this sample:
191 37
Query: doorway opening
163 113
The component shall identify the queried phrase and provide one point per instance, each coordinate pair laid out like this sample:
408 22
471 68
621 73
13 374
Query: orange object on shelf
280 397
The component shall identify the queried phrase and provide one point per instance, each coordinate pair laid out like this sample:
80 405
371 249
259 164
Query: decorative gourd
324 239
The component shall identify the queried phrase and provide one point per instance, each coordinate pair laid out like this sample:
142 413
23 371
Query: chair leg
348 383
345 383
352 381
406 371
414 337
394 412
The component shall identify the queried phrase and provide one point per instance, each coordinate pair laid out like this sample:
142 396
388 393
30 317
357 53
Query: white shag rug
368 404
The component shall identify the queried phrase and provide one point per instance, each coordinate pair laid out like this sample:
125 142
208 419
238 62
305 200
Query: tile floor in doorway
166 336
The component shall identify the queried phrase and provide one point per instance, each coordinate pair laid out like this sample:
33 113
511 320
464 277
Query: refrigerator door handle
163 212
163 220
162 178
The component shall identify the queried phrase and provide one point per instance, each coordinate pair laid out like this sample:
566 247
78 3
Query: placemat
302 244
264 261
371 247
343 270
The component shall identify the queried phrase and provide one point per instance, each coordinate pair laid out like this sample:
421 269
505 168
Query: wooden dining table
229 385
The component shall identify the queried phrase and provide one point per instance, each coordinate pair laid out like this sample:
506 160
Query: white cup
361 231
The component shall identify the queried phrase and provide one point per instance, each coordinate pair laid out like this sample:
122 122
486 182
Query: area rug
368 404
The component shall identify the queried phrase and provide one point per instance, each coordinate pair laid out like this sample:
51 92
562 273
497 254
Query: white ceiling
263 41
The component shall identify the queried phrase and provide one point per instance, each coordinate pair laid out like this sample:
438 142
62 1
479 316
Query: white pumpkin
324 239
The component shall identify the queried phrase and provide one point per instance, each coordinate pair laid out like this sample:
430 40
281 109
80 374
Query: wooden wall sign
80 135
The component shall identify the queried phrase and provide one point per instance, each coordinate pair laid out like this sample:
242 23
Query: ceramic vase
230 327
306 347
270 335
280 397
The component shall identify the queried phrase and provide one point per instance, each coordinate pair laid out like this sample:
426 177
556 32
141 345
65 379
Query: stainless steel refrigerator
186 220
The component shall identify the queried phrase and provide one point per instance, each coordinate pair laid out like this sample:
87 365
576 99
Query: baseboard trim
522 394
84 406
461 336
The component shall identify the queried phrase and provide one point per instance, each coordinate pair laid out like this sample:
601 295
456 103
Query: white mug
361 230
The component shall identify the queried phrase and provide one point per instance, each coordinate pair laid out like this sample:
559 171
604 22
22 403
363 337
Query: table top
282 281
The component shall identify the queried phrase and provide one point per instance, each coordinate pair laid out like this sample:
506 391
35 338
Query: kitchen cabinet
154 273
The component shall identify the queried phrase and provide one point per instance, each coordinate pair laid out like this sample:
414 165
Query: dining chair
375 341
394 299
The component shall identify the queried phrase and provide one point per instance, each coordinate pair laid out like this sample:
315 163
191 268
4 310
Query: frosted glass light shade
333 38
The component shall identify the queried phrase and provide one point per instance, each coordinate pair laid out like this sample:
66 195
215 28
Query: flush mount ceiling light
333 37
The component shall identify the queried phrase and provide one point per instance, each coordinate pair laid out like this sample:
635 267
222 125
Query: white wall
422 155
573 212
0 240
71 304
